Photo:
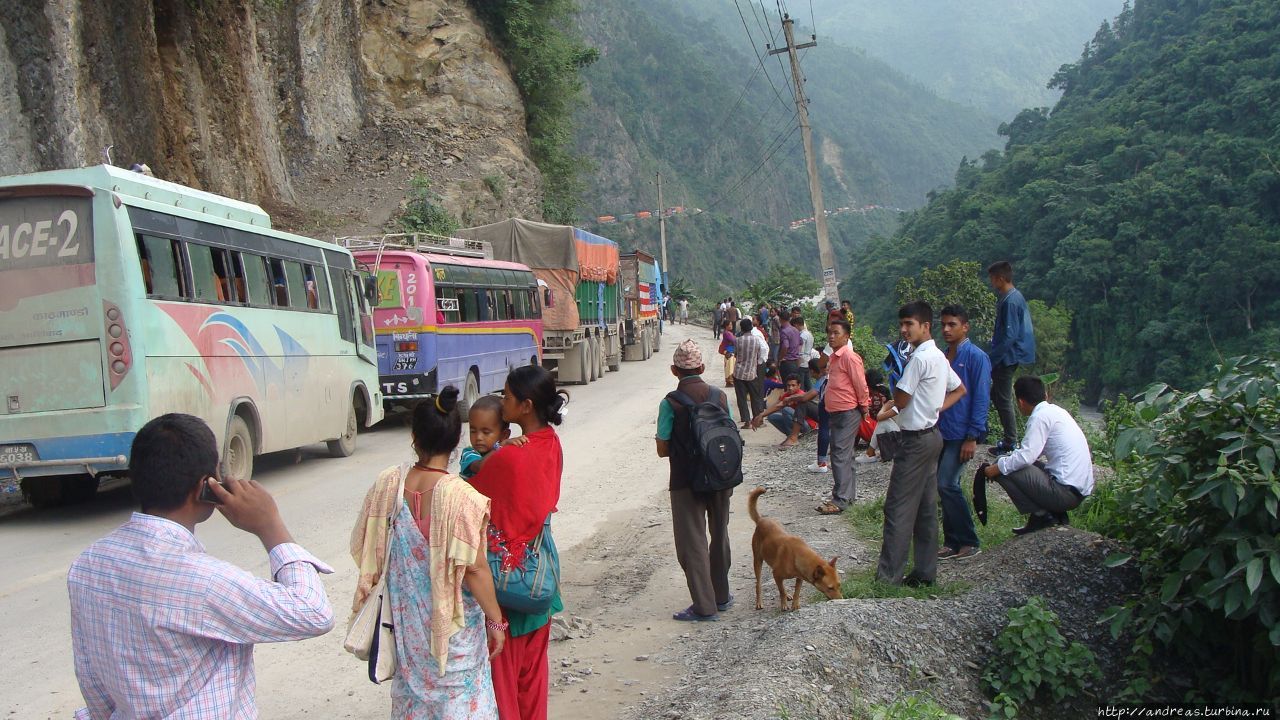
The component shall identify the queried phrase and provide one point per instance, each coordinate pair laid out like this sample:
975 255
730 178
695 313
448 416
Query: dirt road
613 529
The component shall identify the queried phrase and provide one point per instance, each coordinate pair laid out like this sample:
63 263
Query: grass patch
867 521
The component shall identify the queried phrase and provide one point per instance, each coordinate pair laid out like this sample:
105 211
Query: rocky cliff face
321 109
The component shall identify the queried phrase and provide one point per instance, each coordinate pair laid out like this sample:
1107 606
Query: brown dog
789 557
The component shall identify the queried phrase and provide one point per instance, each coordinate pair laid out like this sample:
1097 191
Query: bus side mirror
548 298
371 289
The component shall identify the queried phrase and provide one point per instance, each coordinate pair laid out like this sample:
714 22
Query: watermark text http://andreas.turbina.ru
1156 710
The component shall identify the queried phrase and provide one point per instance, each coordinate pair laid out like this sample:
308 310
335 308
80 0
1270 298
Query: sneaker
818 468
866 459
726 604
688 615
966 552
946 553
1038 521
1000 448
915 581
1061 518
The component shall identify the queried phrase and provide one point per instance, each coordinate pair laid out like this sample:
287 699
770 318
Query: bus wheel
346 443
470 394
238 457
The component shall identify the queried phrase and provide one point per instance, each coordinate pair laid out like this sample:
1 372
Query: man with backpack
698 436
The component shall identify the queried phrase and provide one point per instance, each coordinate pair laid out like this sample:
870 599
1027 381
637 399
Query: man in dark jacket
1013 343
706 567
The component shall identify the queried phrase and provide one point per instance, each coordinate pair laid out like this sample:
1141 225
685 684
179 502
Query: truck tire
238 455
345 444
597 367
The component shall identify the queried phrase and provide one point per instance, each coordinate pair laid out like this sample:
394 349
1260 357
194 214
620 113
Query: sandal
688 615
829 508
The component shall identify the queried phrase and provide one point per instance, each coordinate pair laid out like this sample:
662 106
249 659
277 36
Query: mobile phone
206 494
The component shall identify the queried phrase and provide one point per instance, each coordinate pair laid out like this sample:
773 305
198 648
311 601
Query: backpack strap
680 397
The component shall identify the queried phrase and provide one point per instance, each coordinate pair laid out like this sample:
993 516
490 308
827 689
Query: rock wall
329 107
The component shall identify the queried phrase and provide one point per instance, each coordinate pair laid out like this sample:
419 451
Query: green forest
686 97
1147 203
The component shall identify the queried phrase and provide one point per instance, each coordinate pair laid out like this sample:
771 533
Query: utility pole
825 254
662 234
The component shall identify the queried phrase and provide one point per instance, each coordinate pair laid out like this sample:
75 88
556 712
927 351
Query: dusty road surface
613 529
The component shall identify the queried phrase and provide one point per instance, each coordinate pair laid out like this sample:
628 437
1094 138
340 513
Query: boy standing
928 386
962 426
706 567
847 401
1013 343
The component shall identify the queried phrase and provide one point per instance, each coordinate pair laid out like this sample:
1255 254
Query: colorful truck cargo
640 288
577 272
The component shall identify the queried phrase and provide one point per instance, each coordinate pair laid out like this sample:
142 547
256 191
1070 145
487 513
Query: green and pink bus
124 297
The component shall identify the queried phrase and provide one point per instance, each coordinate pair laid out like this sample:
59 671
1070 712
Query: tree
954 283
782 286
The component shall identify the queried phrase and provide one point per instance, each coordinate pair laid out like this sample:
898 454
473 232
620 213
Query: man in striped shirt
161 629
751 351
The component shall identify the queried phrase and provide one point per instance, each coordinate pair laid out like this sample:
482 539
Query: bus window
342 303
256 280
222 271
484 302
507 311
447 305
279 289
203 277
468 310
239 288
160 270
299 293
320 279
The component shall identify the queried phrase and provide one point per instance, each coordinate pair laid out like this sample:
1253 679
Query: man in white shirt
927 387
1044 493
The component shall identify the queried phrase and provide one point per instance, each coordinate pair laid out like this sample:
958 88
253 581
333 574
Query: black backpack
716 449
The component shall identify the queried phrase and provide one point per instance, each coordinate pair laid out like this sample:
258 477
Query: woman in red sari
522 481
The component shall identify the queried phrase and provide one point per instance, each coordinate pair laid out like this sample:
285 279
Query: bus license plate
14 454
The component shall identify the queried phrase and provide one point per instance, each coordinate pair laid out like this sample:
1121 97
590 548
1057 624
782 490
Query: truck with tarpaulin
640 288
577 273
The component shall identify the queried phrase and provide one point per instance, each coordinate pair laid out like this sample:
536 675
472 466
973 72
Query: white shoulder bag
371 634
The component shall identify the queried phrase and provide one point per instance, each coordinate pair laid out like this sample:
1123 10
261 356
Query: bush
423 212
912 707
1197 500
1031 657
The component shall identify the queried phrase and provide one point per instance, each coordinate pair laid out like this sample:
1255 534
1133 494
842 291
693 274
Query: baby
488 432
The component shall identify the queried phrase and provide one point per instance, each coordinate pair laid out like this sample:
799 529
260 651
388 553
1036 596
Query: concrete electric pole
826 255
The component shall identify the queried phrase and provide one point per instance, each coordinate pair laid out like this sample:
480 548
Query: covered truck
577 272
640 288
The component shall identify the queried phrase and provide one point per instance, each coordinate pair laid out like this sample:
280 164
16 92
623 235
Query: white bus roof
136 185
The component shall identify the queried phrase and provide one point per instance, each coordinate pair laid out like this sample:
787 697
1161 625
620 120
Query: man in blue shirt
962 426
1013 343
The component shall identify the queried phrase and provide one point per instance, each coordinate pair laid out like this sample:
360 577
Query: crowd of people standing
162 629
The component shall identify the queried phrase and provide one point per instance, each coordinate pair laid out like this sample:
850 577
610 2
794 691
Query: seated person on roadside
488 433
705 565
788 414
962 425
879 396
1044 492
160 628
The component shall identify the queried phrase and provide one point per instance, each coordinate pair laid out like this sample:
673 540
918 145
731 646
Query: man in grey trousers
1044 492
847 400
928 386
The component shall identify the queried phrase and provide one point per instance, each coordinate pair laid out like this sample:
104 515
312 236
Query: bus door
350 300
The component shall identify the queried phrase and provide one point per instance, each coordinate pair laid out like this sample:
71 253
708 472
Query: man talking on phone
160 628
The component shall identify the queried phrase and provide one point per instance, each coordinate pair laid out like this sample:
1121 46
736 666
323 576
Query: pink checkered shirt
161 629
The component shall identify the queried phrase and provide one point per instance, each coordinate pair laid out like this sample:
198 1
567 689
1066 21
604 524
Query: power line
777 145
756 51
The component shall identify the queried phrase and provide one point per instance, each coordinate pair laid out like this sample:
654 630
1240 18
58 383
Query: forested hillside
994 55
1147 202
686 97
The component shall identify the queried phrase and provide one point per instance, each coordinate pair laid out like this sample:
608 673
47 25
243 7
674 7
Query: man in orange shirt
847 400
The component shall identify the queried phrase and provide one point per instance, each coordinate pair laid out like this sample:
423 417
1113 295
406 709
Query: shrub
1197 498
423 212
1032 658
912 707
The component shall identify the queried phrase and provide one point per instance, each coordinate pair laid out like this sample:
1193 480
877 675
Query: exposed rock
268 102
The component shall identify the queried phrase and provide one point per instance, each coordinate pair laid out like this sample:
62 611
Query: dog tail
751 503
